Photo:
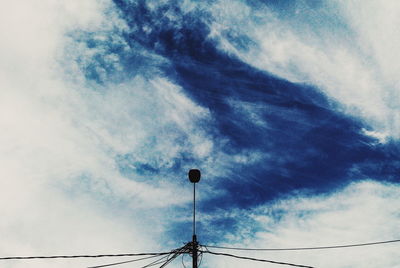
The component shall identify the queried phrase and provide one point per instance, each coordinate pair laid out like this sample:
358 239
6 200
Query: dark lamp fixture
194 175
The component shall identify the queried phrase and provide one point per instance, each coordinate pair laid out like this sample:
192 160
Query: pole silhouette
194 177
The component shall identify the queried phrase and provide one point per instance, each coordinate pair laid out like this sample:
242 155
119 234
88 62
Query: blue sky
290 110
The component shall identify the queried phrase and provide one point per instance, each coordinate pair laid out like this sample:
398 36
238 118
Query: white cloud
252 111
380 136
362 212
61 192
346 48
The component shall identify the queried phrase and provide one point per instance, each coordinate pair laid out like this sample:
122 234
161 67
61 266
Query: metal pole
194 208
194 239
194 177
194 252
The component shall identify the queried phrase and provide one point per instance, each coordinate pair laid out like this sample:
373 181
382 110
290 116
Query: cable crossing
196 250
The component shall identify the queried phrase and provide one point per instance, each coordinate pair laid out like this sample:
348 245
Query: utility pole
194 177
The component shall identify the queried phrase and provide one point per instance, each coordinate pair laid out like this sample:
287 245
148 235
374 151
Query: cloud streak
105 105
333 45
357 213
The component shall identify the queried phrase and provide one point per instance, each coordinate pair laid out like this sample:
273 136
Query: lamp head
194 175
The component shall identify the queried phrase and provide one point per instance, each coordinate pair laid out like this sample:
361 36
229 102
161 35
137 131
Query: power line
123 262
193 248
201 258
83 256
159 261
308 248
183 263
255 259
154 256
182 250
169 258
173 257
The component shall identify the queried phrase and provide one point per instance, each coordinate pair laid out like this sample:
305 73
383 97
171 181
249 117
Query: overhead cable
182 250
308 248
123 262
158 261
83 256
255 259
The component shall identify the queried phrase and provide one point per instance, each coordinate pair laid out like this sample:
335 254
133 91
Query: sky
290 109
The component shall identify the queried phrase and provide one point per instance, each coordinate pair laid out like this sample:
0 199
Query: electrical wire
123 262
183 262
156 262
259 260
308 248
82 256
169 258
201 259
175 255
200 256
159 261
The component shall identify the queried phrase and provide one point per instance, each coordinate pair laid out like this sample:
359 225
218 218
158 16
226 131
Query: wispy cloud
356 214
60 138
337 46
105 106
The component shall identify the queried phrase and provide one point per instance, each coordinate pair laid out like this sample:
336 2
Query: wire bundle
165 258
